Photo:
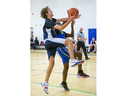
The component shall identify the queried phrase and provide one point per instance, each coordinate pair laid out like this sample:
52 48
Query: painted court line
89 69
69 88
59 64
59 73
45 72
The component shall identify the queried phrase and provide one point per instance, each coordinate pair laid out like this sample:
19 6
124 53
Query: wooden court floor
77 86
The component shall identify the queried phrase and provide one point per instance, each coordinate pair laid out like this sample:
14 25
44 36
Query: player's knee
66 66
69 40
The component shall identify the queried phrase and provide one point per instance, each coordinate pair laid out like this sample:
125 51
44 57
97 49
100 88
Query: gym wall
59 7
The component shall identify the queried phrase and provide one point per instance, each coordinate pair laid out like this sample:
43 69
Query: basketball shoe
45 86
94 51
81 74
64 86
75 62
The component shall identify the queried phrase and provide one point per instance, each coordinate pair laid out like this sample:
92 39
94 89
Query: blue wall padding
91 33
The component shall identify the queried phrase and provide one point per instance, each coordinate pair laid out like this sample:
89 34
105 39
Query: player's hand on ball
78 16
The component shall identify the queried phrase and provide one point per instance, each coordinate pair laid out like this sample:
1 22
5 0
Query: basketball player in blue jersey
50 31
63 52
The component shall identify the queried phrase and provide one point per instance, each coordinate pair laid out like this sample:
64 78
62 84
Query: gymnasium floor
77 86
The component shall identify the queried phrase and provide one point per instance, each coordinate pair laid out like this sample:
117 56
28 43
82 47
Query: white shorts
56 40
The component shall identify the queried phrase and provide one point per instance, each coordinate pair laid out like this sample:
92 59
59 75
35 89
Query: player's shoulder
54 19
49 22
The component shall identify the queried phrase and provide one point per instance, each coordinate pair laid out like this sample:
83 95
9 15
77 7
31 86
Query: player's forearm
63 19
72 30
65 25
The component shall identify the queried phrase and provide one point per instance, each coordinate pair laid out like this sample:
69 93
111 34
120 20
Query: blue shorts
51 48
64 54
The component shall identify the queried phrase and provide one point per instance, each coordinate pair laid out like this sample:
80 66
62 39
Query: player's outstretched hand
78 16
75 16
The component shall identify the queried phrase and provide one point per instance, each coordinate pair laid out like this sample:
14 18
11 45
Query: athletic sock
72 60
79 71
63 82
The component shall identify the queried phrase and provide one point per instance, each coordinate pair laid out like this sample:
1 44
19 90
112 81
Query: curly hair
43 12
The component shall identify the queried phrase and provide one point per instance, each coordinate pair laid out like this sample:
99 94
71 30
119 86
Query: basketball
72 11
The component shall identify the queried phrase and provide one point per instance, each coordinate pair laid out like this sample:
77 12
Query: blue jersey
61 34
63 51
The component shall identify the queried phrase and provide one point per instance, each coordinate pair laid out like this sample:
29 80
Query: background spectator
36 43
92 46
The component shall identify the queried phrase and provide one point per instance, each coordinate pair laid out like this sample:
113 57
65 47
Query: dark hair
44 11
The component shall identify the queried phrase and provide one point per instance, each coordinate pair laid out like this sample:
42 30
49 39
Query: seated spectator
92 46
31 39
31 44
36 43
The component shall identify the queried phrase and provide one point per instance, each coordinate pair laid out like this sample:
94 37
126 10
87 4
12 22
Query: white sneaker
45 86
75 62
94 51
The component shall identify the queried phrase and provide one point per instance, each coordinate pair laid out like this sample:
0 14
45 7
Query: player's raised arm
72 30
62 19
66 24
